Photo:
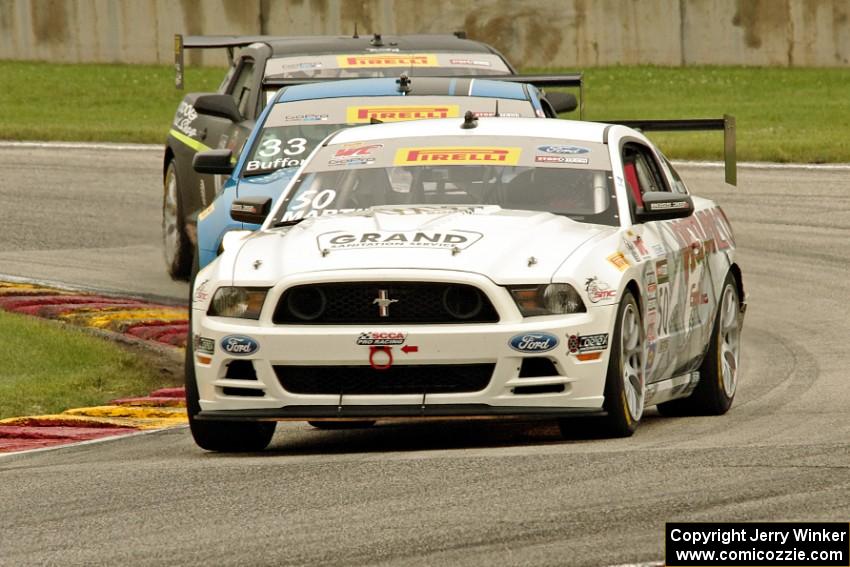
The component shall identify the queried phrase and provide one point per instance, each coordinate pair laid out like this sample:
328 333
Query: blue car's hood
269 185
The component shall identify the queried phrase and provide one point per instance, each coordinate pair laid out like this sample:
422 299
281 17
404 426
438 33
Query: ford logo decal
534 342
563 149
239 346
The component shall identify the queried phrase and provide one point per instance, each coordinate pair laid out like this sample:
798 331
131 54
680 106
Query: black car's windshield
293 129
539 175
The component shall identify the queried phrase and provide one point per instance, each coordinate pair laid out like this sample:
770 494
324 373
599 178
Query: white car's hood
505 245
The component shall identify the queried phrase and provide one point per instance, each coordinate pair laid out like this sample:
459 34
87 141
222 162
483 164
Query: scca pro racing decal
533 342
562 154
381 338
560 159
587 343
451 239
239 345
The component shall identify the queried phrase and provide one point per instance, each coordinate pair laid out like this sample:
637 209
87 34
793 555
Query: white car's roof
487 126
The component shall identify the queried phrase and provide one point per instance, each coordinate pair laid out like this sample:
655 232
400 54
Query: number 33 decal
271 147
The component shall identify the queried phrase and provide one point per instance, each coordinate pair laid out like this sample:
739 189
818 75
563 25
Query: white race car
459 268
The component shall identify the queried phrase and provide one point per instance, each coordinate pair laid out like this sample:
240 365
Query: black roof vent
376 40
403 83
469 121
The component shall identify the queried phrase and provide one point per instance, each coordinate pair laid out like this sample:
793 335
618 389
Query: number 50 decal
313 199
272 147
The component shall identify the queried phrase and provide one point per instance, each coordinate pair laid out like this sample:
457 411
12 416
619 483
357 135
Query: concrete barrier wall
532 33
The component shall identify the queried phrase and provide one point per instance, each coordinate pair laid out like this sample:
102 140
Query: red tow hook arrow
409 348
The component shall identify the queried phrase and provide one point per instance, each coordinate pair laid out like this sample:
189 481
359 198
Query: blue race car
299 117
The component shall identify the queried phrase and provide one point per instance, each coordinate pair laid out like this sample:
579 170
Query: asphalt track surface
470 493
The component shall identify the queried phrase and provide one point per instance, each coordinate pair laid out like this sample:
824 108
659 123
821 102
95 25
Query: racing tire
718 372
176 246
336 425
221 436
625 389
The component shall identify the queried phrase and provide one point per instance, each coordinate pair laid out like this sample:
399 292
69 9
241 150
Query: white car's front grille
384 302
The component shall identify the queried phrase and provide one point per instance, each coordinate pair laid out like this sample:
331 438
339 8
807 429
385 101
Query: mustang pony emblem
384 303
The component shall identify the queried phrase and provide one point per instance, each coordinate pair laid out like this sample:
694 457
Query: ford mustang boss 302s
468 267
224 119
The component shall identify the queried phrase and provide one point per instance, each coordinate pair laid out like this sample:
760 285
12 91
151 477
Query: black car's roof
295 46
304 45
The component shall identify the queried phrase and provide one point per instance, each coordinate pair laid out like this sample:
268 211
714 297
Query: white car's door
674 277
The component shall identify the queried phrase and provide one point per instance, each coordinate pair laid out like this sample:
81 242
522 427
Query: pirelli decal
387 60
365 114
457 156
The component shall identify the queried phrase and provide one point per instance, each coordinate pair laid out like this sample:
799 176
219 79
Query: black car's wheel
719 370
625 389
175 243
333 425
222 436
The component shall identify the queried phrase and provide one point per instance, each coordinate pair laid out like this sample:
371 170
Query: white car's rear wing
727 124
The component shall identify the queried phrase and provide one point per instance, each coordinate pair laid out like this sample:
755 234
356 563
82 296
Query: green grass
107 103
783 114
47 369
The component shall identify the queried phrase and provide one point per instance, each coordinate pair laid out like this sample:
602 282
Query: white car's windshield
530 174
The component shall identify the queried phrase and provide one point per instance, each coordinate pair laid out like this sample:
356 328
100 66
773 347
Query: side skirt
672 388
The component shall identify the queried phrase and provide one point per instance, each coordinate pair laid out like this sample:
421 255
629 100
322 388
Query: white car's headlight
239 302
547 299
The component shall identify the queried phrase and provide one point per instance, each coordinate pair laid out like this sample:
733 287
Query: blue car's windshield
292 130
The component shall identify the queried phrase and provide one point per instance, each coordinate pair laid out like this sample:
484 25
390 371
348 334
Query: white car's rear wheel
719 370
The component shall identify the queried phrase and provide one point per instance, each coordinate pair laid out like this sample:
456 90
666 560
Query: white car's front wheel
625 388
221 436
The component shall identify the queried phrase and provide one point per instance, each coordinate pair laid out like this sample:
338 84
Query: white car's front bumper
332 352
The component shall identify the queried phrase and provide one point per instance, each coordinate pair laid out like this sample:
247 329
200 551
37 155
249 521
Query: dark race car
223 120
